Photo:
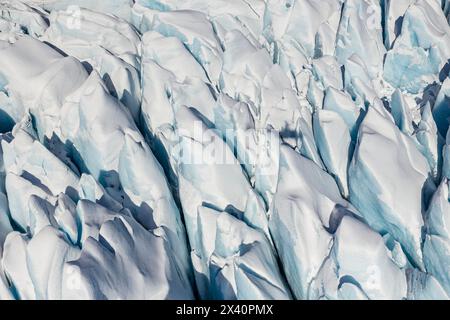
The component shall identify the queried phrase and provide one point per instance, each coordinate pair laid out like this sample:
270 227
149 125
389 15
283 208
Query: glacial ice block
302 219
318 20
357 81
118 265
46 253
358 265
344 106
24 197
15 265
27 157
95 29
90 217
5 224
240 261
402 112
32 64
441 110
335 156
362 260
5 293
171 77
245 149
423 286
387 179
211 181
95 145
247 12
210 174
66 217
421 50
121 8
428 136
437 240
105 43
23 18
256 273
360 33
249 76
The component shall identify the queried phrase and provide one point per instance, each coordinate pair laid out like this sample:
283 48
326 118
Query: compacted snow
217 149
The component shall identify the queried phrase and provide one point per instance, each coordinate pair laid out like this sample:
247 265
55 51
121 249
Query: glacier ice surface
248 149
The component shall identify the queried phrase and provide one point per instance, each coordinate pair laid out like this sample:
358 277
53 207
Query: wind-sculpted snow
248 149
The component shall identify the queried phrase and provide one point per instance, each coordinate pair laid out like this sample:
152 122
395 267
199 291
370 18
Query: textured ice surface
247 149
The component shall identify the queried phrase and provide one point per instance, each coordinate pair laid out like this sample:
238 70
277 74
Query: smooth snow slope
216 149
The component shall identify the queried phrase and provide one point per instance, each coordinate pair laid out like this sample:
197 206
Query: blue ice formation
247 149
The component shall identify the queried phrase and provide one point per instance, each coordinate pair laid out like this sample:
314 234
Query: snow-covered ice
214 149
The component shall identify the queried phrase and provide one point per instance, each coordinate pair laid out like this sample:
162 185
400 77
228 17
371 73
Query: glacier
225 150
